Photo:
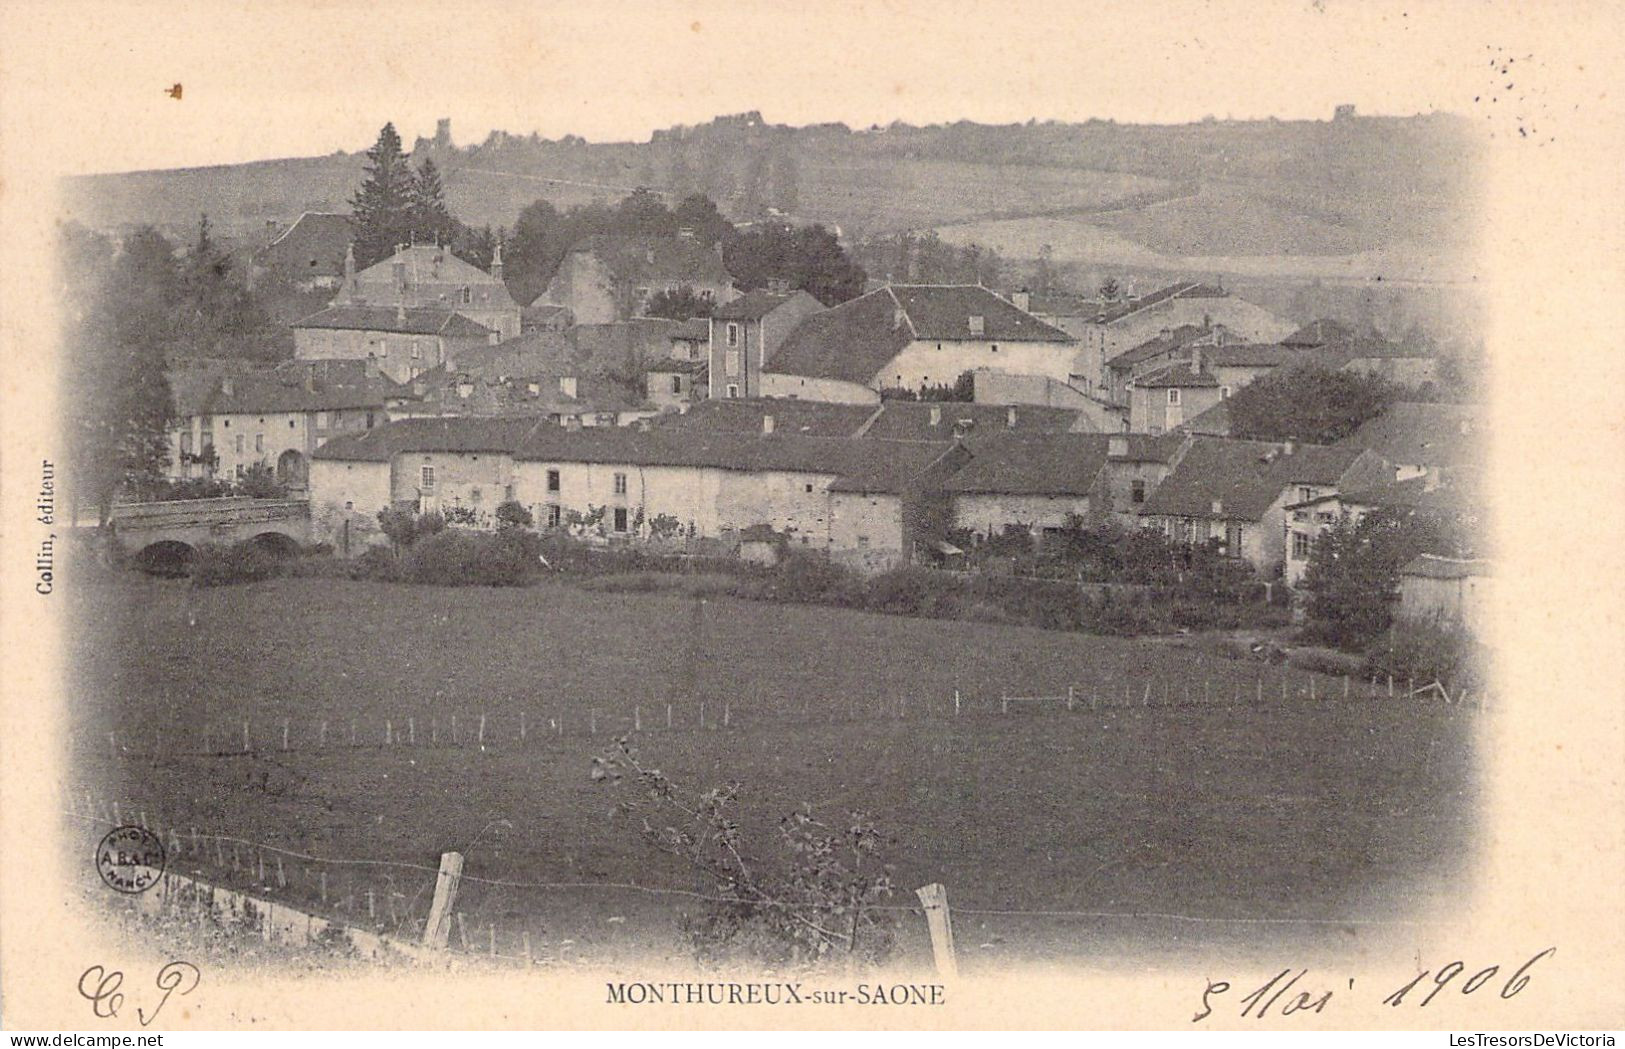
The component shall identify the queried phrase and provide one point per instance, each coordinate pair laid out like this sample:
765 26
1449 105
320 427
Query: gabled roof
1176 375
855 340
1182 290
1416 434
426 264
911 420
1431 566
1455 496
1249 355
1215 422
754 305
695 329
1314 464
807 418
1218 479
439 434
1176 338
294 386
1318 333
1041 464
658 260
410 321
313 246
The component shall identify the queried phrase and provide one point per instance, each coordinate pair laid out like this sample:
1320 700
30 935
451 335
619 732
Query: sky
307 77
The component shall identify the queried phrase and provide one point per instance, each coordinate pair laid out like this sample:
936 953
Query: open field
1278 809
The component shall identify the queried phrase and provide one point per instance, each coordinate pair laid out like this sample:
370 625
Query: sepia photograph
549 503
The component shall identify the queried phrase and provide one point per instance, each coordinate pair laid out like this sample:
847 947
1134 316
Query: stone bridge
160 535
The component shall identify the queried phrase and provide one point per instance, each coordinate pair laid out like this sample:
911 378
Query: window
417 350
468 296
1173 396
731 334
474 495
1300 546
321 420
1325 517
426 477
1305 494
554 515
809 487
369 420
1136 491
239 444
731 362
995 347
349 504
186 444
620 484
259 442
733 390
1224 393
552 480
1232 539
620 518
291 424
676 384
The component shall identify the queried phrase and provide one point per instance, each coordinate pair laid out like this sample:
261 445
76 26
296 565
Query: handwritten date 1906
1283 993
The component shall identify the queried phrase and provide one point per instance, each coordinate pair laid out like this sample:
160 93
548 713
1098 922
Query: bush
807 579
377 563
456 557
512 514
1426 652
216 565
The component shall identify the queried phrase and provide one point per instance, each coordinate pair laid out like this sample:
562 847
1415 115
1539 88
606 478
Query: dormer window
976 324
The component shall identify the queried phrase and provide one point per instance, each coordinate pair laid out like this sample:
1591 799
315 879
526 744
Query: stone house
308 254
1162 401
606 278
1448 500
401 342
432 278
911 336
744 334
1038 483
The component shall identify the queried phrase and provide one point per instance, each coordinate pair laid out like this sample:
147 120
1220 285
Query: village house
911 336
1449 501
540 316
1120 325
1039 484
675 382
745 333
398 341
1166 348
308 255
430 277
1237 493
1162 401
1423 438
606 277
228 422
1136 465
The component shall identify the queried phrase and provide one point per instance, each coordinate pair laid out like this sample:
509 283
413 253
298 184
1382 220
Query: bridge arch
166 557
278 544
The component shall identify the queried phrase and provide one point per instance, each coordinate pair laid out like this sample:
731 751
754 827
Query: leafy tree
476 246
383 209
399 525
1109 288
217 316
1353 574
116 397
679 305
1307 404
699 213
512 514
809 257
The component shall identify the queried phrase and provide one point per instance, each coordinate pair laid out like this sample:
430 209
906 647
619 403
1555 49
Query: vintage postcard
847 515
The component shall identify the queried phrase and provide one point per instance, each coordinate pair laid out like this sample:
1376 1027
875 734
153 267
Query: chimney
419 388
1291 446
400 313
310 377
534 388
228 387
567 385
975 323
349 266
685 232
370 369
936 415
572 422
398 270
1218 507
897 318
465 389
767 424
496 262
1117 445
1023 300
1196 359
1010 418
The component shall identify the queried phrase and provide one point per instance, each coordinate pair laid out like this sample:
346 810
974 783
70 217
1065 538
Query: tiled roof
672 365
439 434
1176 375
436 279
1317 464
410 321
1234 475
313 246
1248 355
855 340
1431 566
754 305
911 420
295 386
1318 333
1180 336
695 329
1147 448
1017 464
1062 304
807 418
1215 422
1456 496
1410 433
1181 290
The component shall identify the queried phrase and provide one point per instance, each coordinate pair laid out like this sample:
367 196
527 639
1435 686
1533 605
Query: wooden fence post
956 702
481 739
637 718
1004 702
246 747
438 929
521 726
1069 698
935 899
284 733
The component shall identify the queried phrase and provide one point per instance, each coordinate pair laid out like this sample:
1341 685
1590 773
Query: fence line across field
274 875
249 735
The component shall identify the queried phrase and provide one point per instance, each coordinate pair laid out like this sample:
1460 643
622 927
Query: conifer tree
382 210
431 220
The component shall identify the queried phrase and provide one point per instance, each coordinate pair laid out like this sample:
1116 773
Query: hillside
1209 195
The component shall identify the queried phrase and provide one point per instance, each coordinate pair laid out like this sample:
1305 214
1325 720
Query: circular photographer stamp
130 859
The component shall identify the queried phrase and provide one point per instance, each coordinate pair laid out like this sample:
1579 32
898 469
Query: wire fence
259 733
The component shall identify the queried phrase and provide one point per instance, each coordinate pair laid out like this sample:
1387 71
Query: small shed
1446 590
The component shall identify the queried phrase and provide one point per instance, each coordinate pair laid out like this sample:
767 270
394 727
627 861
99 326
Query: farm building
1446 590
